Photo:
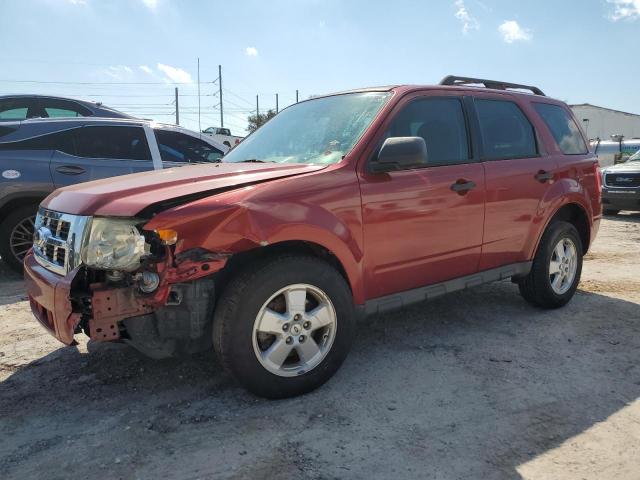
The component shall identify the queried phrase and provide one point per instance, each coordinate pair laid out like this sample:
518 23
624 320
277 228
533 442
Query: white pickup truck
223 135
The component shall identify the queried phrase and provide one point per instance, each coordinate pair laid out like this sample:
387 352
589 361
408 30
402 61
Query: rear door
101 151
519 174
24 162
419 228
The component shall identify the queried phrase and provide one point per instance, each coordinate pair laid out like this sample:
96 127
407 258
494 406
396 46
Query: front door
419 228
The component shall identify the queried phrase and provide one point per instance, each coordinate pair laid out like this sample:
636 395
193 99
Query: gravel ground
476 385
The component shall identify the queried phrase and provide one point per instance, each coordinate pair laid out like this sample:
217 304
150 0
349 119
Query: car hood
128 195
624 167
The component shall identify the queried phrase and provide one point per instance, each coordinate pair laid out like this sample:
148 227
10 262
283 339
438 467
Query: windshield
635 157
321 131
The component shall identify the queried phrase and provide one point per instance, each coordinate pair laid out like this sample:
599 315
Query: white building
600 122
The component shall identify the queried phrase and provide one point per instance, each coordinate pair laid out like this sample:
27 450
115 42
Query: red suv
341 206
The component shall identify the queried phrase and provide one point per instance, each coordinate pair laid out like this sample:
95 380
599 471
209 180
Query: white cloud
511 32
251 51
468 22
152 4
77 2
118 72
624 10
146 69
175 74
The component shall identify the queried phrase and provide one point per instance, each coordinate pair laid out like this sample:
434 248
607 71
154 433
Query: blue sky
129 53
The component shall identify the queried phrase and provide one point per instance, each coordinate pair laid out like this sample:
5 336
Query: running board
403 299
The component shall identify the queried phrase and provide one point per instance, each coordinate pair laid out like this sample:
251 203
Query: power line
51 82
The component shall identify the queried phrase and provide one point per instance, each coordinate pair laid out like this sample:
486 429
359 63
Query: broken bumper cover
50 299
49 296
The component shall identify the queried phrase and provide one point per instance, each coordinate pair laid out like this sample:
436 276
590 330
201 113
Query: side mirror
401 153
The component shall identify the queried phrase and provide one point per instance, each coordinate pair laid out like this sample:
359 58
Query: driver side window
441 123
180 148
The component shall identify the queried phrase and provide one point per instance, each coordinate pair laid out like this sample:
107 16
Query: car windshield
321 130
635 157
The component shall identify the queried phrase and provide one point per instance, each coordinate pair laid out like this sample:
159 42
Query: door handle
543 176
461 187
70 170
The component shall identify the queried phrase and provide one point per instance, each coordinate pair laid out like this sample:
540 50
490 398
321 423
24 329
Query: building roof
604 108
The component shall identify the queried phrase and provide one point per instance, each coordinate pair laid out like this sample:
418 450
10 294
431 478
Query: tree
256 121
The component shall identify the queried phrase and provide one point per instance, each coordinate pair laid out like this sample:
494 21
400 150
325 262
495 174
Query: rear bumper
613 199
49 296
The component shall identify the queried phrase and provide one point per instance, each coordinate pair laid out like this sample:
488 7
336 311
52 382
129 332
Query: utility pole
296 96
277 109
199 125
220 90
177 109
257 110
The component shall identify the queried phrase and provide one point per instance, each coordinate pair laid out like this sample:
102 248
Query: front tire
284 327
16 235
556 268
610 212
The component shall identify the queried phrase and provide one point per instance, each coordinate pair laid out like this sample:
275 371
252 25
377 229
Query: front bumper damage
178 309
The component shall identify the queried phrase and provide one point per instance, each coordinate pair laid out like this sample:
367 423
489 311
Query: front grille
57 240
622 180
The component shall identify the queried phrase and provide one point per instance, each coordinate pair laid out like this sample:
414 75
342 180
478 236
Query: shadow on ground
469 386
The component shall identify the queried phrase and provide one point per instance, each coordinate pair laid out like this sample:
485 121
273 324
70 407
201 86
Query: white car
223 135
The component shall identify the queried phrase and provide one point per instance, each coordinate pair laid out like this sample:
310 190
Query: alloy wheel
294 330
21 238
563 266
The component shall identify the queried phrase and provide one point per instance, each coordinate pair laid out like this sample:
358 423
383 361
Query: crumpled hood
127 195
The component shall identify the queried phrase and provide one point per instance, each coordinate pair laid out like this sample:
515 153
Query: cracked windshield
321 130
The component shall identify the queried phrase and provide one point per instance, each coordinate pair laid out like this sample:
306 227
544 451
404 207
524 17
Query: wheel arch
575 214
245 258
21 201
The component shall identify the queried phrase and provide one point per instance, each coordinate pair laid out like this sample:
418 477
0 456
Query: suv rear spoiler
495 84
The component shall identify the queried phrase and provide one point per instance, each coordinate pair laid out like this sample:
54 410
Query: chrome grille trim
57 240
610 180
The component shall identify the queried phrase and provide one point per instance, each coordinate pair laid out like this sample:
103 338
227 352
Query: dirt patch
610 286
473 385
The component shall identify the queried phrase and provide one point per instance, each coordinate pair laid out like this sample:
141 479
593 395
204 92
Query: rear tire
250 337
16 236
556 268
610 212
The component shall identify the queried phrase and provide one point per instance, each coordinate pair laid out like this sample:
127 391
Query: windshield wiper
252 160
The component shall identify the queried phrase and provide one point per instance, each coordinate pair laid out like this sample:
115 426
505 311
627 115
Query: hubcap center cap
295 329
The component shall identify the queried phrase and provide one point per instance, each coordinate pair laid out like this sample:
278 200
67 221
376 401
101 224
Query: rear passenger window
563 128
506 132
60 112
441 122
123 143
14 114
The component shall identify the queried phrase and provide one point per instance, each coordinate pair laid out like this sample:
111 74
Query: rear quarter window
62 141
506 132
563 128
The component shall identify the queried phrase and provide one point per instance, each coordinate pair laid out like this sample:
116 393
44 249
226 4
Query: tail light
598 175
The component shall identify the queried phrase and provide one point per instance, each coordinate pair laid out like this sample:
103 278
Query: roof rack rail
495 84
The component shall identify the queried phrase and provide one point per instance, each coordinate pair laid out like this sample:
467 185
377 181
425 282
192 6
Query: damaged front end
128 284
